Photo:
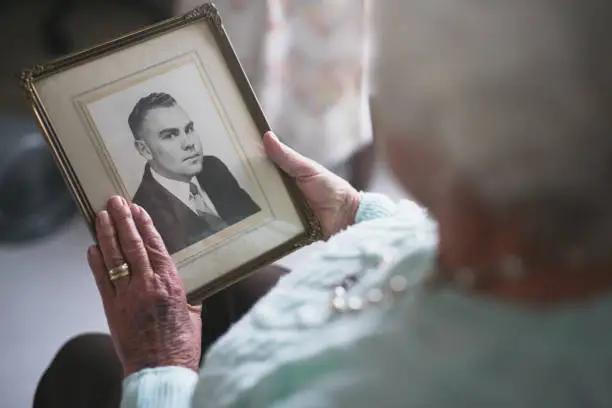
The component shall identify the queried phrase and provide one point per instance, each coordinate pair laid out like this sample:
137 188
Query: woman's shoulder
295 349
296 333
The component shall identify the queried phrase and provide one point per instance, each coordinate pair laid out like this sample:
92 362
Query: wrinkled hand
333 200
150 321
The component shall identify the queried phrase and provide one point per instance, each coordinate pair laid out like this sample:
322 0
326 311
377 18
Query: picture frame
153 113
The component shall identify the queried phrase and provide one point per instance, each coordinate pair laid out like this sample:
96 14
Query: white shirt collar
180 190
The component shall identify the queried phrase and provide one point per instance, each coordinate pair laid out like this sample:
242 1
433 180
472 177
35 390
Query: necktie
203 210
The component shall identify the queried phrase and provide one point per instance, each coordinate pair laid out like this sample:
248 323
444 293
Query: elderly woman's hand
333 200
149 318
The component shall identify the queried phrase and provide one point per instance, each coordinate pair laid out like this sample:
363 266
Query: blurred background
46 292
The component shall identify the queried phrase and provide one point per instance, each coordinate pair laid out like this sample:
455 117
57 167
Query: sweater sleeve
161 387
374 205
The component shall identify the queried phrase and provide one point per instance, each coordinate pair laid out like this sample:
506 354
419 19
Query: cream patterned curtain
307 60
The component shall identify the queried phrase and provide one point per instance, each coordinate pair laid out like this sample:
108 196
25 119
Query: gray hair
518 93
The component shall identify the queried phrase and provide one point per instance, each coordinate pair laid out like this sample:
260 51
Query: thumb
195 314
290 161
195 309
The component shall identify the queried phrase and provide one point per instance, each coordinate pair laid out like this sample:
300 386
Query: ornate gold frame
209 14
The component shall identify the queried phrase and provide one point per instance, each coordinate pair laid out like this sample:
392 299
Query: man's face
170 143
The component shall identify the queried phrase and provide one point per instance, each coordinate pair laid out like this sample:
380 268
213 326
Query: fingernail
142 214
118 203
136 210
103 218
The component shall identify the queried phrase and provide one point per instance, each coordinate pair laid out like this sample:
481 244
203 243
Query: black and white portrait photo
167 119
188 194
188 190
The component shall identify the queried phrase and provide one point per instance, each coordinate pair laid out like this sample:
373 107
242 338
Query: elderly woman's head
511 99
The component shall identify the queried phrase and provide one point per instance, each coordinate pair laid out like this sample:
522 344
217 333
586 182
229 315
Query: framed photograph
166 118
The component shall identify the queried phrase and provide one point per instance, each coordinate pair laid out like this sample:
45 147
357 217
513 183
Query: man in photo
189 196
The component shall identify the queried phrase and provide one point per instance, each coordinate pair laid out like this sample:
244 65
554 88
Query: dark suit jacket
178 225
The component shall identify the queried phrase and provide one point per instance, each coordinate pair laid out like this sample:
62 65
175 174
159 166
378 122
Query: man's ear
143 149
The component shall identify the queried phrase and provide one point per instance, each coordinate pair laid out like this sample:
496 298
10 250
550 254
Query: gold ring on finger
120 271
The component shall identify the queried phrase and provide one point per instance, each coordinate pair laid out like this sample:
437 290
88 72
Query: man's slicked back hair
144 106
